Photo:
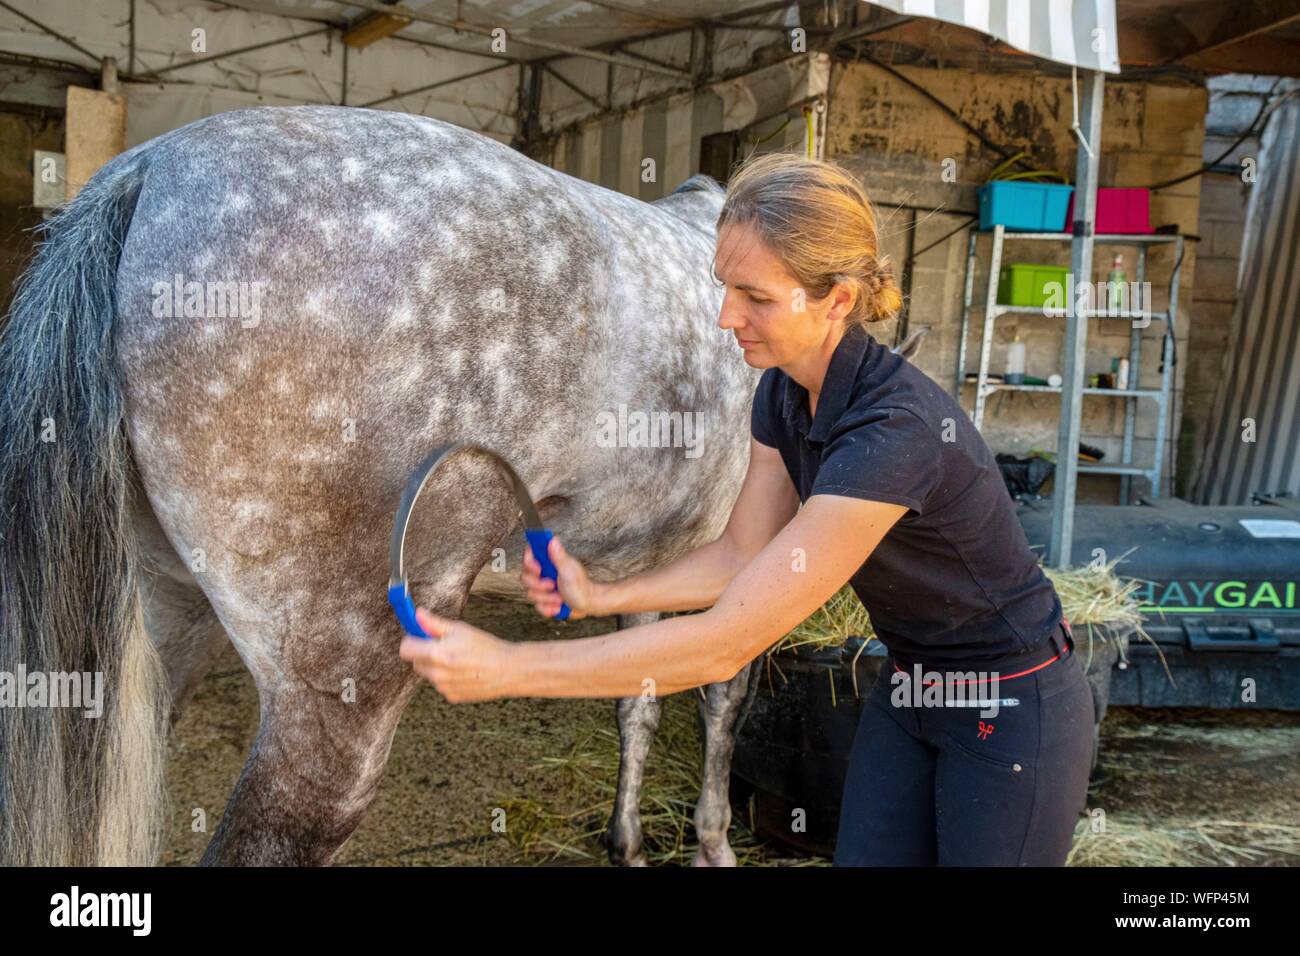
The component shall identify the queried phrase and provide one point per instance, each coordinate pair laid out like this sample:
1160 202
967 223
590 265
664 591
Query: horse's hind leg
638 719
322 645
320 750
722 710
177 615
182 625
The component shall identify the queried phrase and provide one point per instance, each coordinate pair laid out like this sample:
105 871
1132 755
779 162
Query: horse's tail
82 690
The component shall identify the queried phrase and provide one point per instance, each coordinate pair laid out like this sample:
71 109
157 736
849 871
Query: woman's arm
766 503
796 573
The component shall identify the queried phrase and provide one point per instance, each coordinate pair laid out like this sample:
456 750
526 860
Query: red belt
1058 645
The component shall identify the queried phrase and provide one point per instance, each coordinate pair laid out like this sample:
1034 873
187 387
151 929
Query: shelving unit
1126 468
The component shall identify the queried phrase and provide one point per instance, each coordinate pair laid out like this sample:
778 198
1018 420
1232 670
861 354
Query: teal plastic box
1024 207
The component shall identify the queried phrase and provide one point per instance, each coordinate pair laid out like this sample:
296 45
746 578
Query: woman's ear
843 296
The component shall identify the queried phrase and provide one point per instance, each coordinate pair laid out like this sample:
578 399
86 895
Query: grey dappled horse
226 466
229 352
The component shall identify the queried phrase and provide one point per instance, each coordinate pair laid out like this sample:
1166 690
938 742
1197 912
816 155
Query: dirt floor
1173 787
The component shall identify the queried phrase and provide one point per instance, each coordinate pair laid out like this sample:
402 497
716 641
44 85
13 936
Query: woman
901 498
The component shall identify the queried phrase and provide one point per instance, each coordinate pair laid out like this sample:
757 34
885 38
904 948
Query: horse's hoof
622 852
715 856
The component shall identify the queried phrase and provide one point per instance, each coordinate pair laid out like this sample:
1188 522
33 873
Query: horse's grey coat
419 284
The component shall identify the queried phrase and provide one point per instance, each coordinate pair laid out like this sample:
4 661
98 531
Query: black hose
1227 152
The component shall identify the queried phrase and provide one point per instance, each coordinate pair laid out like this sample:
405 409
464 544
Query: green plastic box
1028 283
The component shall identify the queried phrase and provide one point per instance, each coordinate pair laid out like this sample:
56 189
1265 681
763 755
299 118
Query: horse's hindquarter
662 435
401 283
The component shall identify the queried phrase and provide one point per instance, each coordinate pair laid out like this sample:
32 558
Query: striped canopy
1078 32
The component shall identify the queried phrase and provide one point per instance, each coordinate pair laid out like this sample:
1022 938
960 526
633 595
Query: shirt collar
841 374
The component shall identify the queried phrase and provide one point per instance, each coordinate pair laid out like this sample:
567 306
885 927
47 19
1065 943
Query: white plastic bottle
1014 373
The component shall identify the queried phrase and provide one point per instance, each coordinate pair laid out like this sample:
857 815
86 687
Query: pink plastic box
1119 212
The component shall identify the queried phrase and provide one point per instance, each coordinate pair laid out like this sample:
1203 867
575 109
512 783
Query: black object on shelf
1024 476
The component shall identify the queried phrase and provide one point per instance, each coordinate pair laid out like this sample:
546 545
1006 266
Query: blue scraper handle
400 598
538 540
399 593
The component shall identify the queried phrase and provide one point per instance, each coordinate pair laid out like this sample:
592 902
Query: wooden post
96 128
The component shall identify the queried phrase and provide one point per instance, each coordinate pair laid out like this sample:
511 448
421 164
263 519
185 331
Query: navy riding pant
1001 783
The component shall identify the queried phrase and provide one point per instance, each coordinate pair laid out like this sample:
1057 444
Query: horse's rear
307 301
416 283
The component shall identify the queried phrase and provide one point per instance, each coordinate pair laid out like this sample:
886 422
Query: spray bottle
1116 283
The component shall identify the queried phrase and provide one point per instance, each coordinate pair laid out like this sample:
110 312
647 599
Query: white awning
1077 32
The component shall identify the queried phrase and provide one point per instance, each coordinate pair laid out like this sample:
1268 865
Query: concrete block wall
897 141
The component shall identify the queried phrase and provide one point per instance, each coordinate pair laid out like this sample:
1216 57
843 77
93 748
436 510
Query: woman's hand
464 663
576 589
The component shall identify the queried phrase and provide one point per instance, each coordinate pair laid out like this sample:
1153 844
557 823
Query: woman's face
775 322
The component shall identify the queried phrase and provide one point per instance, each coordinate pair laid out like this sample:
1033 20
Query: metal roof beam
641 56
434 86
458 49
686 22
573 86
464 25
726 22
45 63
97 60
244 49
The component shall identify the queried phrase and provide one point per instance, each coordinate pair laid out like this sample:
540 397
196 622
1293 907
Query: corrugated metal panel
1261 381
611 151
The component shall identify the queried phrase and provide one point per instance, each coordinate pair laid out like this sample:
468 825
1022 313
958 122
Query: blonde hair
819 221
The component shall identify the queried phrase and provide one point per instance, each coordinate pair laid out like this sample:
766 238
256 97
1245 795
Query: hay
1095 595
1173 841
588 760
840 618
1097 602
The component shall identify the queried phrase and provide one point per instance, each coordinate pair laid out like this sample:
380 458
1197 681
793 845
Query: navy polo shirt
953 581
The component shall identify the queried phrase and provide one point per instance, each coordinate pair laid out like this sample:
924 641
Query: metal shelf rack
1126 468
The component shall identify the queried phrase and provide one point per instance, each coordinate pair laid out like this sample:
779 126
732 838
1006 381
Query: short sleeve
881 454
762 423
